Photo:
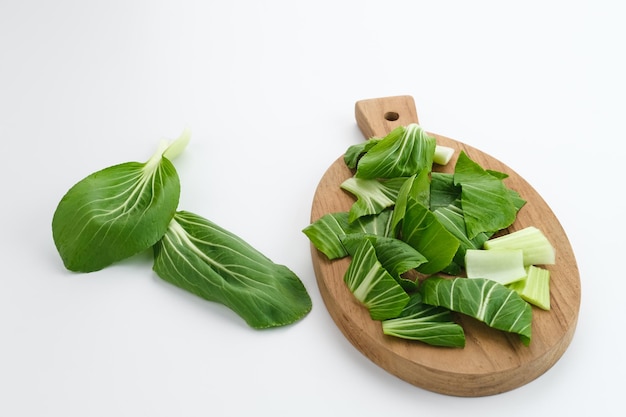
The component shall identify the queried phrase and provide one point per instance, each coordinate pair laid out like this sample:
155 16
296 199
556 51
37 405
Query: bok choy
487 204
426 323
535 246
119 211
535 287
122 210
373 285
504 266
328 232
372 196
483 299
432 224
405 151
199 256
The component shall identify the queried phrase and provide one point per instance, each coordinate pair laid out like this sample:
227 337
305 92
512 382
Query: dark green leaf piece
396 256
487 204
425 323
483 299
115 213
355 152
213 263
372 195
451 217
372 285
416 187
443 192
405 151
327 232
422 230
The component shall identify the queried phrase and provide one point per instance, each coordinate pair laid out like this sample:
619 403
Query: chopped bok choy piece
405 151
443 155
396 256
327 232
426 323
373 196
488 205
422 230
483 299
536 247
503 266
535 288
373 285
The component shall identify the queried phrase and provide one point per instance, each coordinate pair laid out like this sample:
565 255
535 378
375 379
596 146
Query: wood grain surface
492 361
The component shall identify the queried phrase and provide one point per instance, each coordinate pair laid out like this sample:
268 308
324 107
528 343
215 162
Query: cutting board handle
378 116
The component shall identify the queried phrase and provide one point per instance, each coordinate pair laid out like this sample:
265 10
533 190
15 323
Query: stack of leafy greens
411 232
128 208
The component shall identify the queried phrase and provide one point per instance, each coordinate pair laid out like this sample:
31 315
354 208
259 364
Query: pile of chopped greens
422 243
128 208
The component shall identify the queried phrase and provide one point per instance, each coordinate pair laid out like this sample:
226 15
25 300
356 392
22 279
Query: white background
268 89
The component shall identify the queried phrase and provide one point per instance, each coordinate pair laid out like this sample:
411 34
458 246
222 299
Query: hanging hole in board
391 116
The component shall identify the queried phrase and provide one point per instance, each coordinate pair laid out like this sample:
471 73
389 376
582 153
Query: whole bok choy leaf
119 211
483 299
213 263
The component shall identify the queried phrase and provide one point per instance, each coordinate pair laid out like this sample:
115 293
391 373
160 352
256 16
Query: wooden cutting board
492 361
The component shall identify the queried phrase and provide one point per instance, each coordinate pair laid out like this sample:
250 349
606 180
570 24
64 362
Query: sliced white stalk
503 266
443 155
536 247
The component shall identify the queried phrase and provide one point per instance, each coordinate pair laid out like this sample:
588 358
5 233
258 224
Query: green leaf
355 152
443 192
378 224
373 196
485 300
451 217
421 229
405 151
487 203
396 256
426 323
115 213
213 263
416 187
327 232
372 285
